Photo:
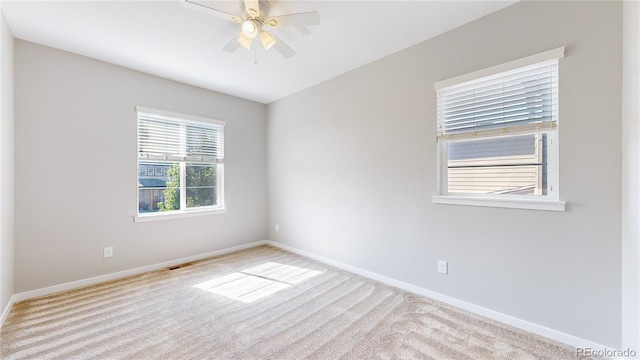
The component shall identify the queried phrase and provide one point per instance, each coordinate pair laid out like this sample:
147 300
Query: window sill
176 215
530 204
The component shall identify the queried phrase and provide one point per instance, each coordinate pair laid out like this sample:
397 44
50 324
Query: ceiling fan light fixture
249 29
245 42
267 40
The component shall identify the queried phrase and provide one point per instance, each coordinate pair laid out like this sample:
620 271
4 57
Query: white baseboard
120 274
491 314
7 309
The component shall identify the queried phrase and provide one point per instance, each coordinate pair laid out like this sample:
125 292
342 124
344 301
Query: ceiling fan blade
252 7
194 5
301 19
281 47
236 42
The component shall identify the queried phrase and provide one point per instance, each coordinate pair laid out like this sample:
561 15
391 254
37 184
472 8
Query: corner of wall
6 164
630 176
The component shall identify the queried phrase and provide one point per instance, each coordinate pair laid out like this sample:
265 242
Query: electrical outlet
443 267
108 252
277 227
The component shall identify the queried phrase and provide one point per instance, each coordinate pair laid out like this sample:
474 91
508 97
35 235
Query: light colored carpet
213 309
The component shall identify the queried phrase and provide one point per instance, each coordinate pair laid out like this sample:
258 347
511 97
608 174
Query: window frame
184 211
551 201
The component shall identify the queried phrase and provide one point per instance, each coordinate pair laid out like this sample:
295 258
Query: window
180 165
497 135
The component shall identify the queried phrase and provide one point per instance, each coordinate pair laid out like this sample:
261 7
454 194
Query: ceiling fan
255 15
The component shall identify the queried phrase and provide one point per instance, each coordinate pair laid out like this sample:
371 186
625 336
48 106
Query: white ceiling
165 39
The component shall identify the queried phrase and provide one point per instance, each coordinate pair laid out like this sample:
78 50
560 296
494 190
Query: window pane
514 165
200 185
158 190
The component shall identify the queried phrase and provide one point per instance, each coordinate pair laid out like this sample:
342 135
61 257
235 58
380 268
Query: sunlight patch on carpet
257 282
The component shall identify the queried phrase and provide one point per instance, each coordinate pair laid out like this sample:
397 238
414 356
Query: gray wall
631 177
6 165
352 168
76 169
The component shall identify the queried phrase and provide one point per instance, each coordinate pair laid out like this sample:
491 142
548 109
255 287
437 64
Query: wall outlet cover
443 267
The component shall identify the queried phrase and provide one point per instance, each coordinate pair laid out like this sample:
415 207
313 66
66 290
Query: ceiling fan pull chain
256 61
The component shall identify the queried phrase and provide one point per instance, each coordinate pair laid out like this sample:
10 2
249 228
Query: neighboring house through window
497 135
180 163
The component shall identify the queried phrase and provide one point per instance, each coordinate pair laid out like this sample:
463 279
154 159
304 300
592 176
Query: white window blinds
175 137
521 100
